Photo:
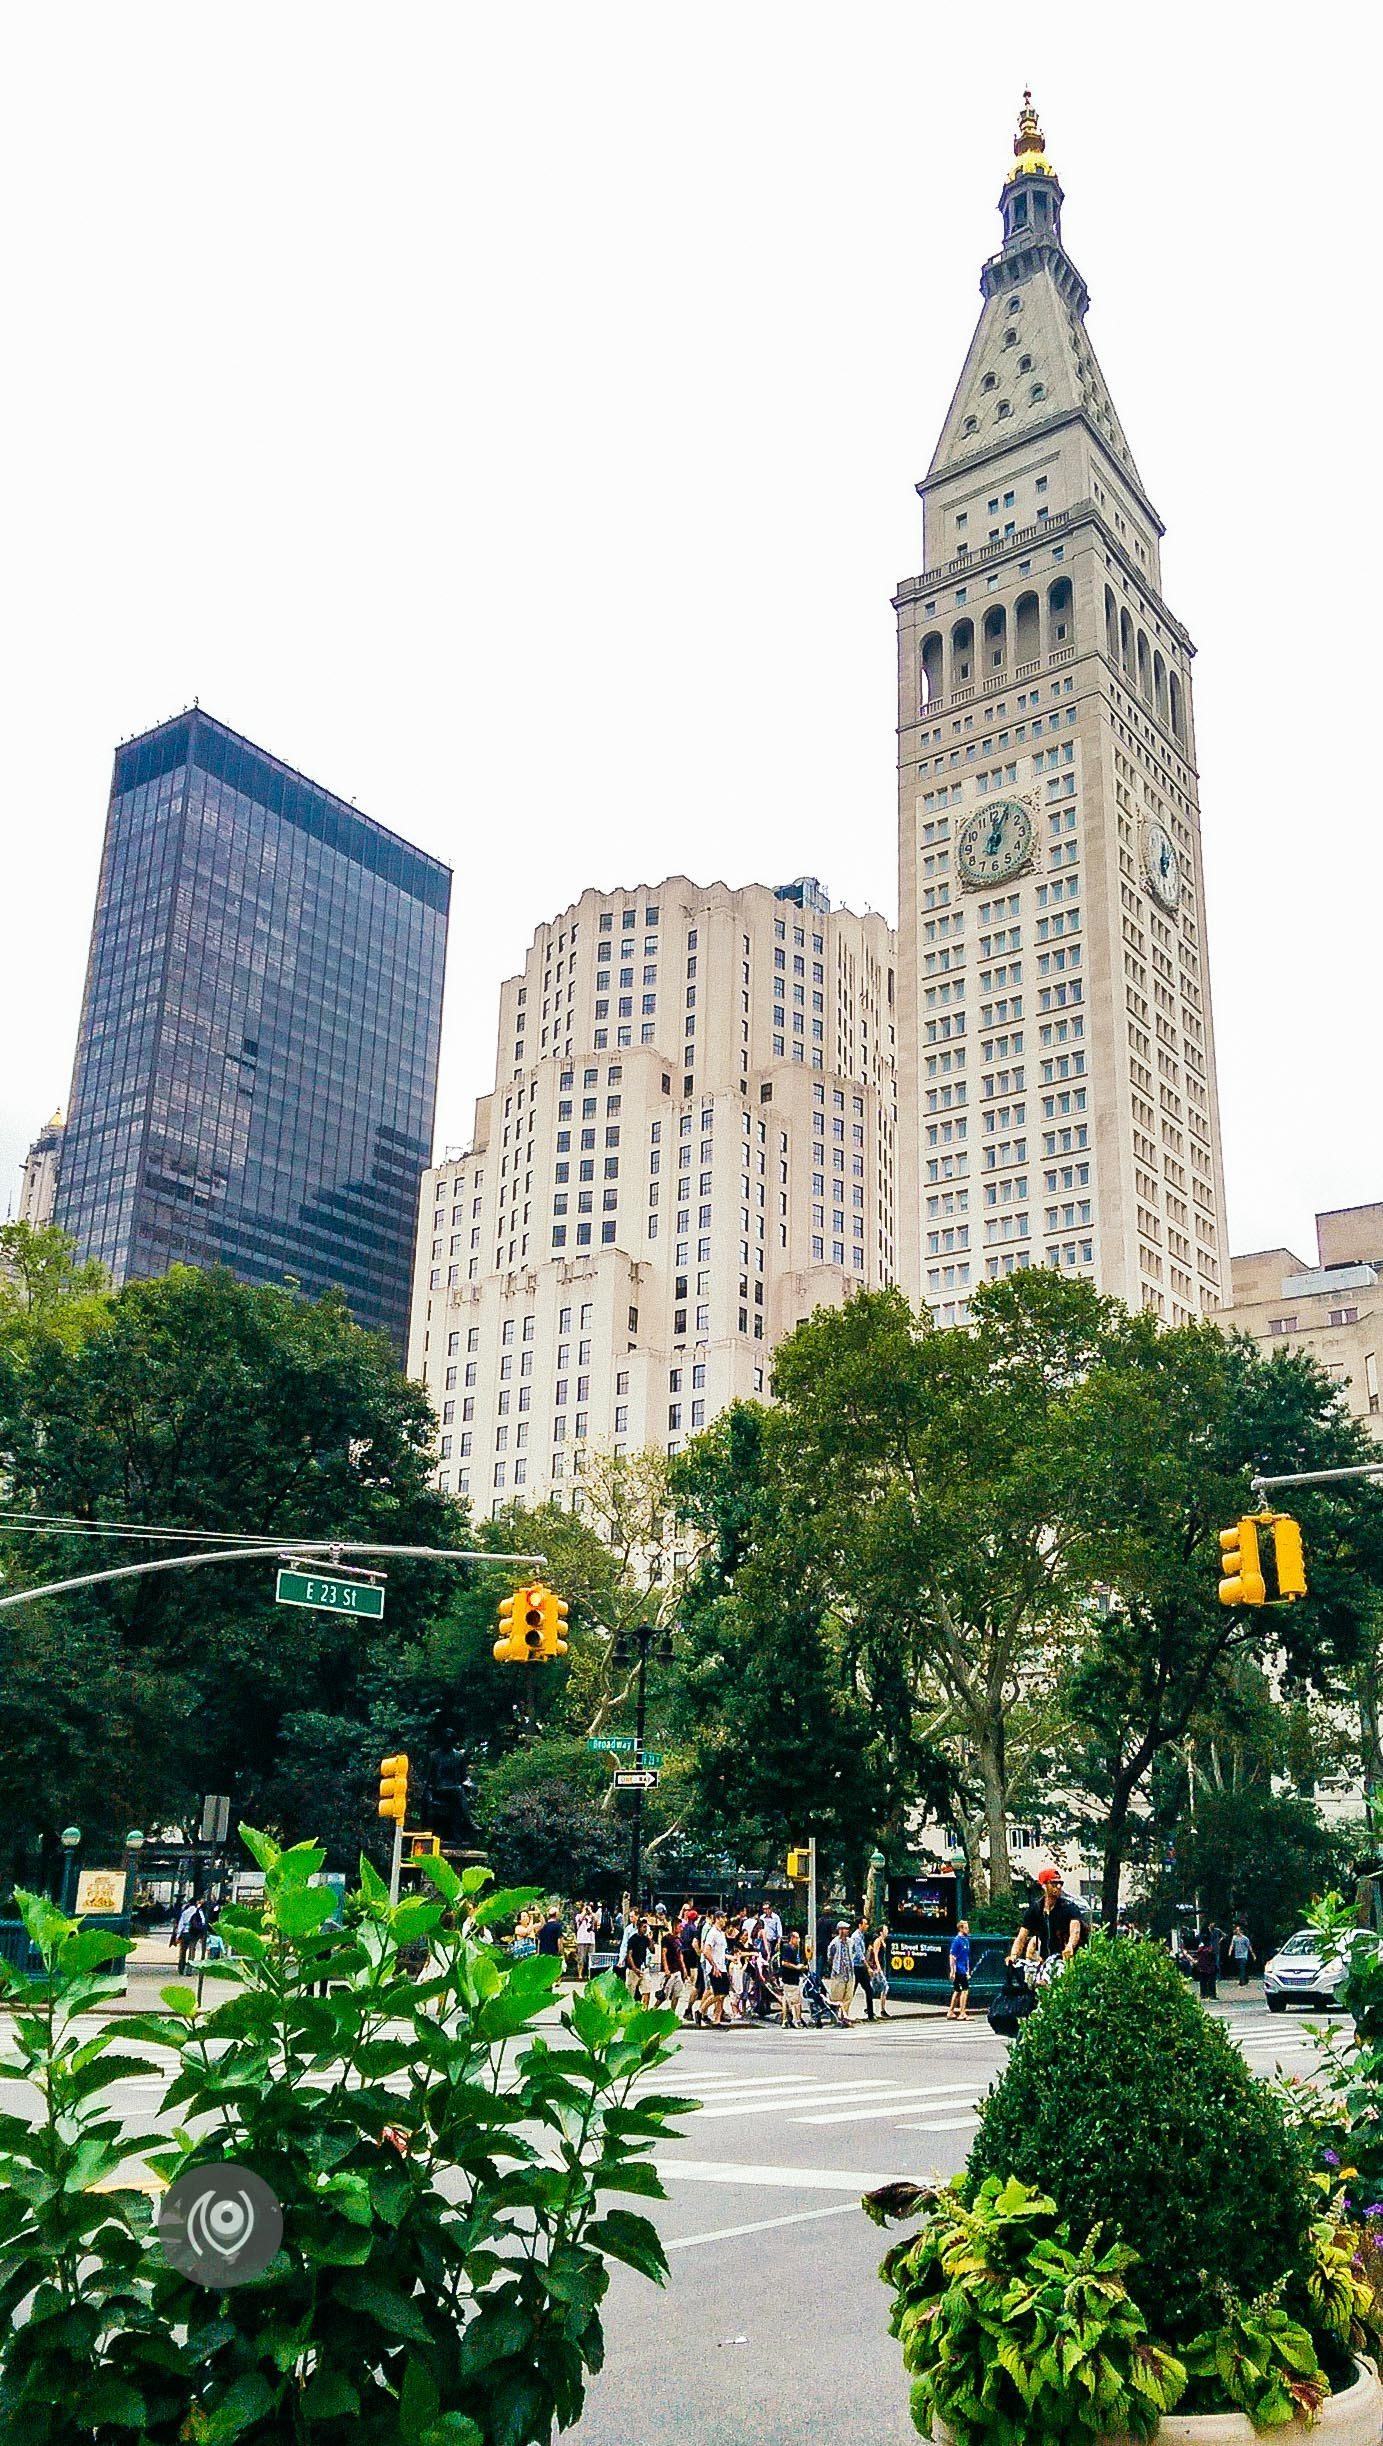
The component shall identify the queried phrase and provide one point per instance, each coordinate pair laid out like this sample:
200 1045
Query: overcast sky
510 417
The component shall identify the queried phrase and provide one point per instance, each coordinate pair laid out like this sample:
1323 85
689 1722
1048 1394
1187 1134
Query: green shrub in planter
1012 2336
1131 2107
449 2177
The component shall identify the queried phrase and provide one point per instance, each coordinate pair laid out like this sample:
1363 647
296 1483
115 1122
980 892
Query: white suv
1306 1970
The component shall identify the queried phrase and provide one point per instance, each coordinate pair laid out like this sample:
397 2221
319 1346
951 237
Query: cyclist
1052 1929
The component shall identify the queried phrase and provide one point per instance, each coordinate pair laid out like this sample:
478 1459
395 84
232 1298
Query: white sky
510 417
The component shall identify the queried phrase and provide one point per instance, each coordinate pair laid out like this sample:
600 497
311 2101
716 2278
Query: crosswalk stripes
829 2092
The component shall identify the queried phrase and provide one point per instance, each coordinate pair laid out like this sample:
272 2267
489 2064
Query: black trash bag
1012 2005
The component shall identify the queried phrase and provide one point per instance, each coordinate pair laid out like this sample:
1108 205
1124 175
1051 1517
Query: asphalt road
774 2326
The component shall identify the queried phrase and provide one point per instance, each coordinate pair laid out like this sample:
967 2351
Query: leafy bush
446 2229
1012 2337
1133 2109
1258 2359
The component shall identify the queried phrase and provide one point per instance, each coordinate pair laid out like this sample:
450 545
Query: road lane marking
786 2178
905 2099
961 2123
792 2098
763 2225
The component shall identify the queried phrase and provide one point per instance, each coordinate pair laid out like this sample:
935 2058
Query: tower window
989 382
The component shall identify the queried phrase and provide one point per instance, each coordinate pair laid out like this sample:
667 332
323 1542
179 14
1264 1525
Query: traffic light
799 1864
521 1623
425 1846
1241 1569
554 1611
533 1626
393 1788
1289 1566
1262 1561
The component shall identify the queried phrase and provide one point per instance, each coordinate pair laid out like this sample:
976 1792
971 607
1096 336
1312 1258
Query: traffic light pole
1317 1477
811 1897
334 1548
396 1863
644 1635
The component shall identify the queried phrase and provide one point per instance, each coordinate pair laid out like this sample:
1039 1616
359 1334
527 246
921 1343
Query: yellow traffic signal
1241 1570
1289 1562
554 1611
521 1622
425 1846
799 1864
533 1626
504 1645
393 1788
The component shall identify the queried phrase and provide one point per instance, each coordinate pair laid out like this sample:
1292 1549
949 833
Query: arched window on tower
1111 626
1178 710
931 668
1144 668
1060 626
1126 643
962 653
1160 687
995 637
1027 638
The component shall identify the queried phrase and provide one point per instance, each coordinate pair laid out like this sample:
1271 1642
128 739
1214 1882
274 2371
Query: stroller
758 2000
817 2009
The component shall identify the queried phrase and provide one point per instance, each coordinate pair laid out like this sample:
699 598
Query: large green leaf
630 2238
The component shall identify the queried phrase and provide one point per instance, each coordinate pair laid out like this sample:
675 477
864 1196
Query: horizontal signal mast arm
333 1548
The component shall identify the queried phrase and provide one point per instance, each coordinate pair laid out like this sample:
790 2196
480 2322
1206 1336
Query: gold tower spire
1029 145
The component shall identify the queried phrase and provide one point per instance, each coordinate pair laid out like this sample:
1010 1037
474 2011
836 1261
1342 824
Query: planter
1354 2417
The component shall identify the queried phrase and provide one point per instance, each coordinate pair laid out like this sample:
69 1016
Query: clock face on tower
995 842
1161 866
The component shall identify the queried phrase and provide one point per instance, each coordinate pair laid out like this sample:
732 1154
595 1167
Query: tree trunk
989 1752
1115 1838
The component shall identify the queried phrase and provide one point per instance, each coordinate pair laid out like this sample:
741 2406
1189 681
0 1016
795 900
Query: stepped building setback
1056 1056
689 1147
1332 1309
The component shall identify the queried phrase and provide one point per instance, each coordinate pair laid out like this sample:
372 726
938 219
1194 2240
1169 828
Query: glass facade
256 1071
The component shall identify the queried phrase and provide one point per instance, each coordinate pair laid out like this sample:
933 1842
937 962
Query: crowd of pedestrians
719 1968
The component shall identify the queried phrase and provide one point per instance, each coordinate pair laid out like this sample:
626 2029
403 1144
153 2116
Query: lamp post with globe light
70 1839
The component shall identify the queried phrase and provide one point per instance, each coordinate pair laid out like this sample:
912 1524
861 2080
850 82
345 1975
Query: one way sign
635 1779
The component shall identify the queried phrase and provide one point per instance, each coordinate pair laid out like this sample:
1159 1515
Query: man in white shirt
585 1940
771 1930
715 1955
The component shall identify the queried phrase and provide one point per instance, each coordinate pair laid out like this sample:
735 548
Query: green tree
198 1403
1165 1435
1249 1854
928 1470
45 1289
781 1742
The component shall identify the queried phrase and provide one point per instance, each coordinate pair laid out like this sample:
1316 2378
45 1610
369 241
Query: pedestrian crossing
826 2099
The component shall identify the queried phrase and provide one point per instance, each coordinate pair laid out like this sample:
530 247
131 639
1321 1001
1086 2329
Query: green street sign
651 1758
330 1595
610 1741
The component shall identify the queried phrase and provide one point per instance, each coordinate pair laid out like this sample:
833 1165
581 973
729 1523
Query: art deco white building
39 1181
1056 1059
690 1145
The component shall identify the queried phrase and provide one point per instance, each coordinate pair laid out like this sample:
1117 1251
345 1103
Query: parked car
1305 1970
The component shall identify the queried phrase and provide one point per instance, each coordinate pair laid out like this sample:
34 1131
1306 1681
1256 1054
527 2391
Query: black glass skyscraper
256 1072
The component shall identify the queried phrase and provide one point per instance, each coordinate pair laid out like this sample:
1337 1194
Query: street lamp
70 1838
627 1645
134 1845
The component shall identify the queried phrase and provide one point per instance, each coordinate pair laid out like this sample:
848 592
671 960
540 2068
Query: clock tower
1056 1057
